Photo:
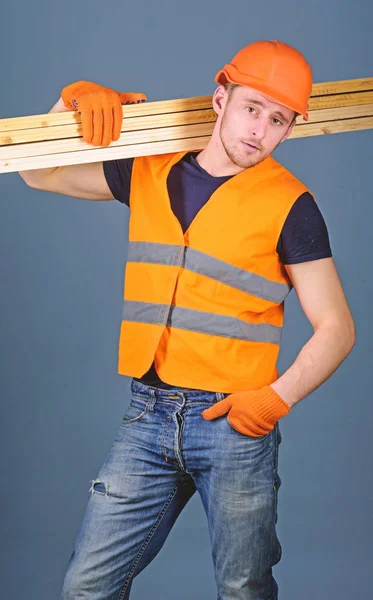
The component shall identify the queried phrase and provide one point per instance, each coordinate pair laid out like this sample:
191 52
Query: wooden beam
320 119
172 125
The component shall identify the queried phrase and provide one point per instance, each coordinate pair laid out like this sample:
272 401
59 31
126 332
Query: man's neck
215 160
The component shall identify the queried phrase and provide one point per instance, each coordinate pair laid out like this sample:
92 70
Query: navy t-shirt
304 236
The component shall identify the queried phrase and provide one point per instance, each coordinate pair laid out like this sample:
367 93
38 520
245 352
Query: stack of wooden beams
53 140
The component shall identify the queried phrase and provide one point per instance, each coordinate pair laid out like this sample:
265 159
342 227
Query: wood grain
40 141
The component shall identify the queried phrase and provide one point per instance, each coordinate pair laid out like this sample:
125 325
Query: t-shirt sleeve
118 178
304 236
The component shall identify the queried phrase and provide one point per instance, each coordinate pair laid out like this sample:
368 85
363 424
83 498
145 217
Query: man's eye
250 108
278 121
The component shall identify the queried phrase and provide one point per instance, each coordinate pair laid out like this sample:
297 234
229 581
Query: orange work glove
100 109
252 413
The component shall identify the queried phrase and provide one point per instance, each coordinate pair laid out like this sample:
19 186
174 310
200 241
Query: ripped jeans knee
99 487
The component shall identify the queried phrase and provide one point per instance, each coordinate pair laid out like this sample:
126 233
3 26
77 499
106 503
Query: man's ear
219 99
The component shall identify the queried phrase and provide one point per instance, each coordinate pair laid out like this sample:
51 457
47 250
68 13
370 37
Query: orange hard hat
277 70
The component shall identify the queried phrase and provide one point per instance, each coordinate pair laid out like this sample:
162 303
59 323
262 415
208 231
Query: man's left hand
253 413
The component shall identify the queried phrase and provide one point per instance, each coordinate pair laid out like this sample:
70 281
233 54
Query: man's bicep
85 181
320 291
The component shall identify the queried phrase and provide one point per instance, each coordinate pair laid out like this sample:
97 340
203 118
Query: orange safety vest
207 305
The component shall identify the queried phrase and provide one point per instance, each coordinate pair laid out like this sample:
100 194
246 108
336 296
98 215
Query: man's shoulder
281 170
286 178
160 158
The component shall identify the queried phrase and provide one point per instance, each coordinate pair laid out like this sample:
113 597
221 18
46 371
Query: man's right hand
100 109
102 116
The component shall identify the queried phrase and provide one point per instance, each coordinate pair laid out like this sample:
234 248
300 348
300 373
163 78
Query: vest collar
245 179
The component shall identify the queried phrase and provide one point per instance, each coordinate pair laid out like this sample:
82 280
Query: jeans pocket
246 435
279 436
136 410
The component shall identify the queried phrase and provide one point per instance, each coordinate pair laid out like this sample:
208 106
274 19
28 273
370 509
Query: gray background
61 265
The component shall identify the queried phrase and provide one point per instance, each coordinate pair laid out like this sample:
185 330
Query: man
217 239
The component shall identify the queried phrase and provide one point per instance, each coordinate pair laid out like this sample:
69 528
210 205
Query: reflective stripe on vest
204 264
199 321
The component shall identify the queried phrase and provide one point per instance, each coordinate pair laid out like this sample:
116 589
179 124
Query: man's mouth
250 146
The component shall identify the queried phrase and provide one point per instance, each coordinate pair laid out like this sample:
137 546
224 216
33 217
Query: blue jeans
164 452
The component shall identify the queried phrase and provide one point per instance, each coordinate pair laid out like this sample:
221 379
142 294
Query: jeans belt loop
152 400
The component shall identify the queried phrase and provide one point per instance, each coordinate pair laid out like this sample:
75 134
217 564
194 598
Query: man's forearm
34 175
317 360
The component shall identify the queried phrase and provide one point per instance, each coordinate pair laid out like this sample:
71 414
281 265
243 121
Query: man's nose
259 128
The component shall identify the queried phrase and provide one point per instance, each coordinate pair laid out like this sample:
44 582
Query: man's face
251 125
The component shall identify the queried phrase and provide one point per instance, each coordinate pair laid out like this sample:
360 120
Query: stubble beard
236 155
